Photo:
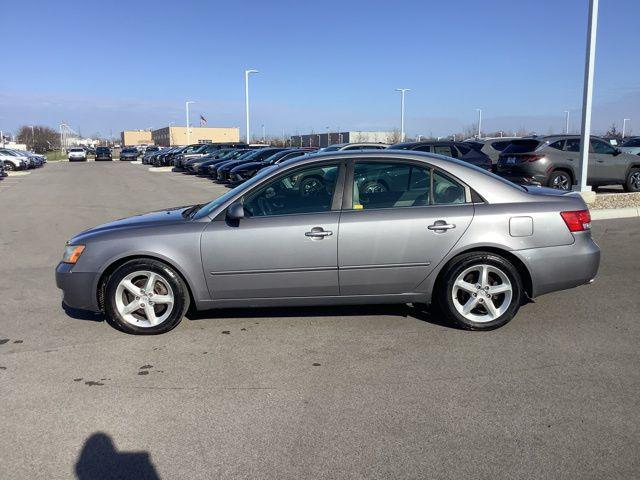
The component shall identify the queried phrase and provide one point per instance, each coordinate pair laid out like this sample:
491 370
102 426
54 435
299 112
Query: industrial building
136 137
172 135
326 139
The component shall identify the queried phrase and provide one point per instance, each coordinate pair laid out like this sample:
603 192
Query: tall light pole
402 92
587 97
246 100
566 122
328 139
624 125
479 110
264 137
186 106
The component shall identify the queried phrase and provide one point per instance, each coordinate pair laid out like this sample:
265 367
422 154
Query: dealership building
326 139
170 136
136 137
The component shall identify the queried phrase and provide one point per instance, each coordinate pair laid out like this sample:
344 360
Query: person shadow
99 460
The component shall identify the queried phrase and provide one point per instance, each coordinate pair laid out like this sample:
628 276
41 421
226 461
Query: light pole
587 97
186 106
479 110
263 134
246 99
328 137
33 138
624 125
418 137
402 92
2 138
566 122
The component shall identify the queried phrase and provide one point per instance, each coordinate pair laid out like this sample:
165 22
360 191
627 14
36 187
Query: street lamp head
247 72
403 90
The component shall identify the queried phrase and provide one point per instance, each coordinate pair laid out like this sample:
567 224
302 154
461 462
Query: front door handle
441 226
318 232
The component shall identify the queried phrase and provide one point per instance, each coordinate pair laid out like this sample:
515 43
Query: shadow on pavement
429 315
82 314
99 460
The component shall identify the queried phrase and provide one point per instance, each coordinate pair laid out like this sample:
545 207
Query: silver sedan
339 228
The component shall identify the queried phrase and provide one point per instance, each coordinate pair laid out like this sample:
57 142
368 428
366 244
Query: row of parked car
550 161
11 160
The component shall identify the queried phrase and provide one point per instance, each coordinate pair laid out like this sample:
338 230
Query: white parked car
77 154
13 160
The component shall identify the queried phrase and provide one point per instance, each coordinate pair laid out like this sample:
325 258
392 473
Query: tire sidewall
444 294
181 296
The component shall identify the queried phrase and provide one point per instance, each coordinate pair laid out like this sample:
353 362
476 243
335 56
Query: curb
17 174
160 169
611 213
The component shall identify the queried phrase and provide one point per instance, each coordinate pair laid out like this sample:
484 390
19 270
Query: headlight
72 253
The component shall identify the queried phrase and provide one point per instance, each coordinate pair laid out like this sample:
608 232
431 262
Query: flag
203 121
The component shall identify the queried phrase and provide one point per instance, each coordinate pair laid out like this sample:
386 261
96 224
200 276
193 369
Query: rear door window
572 145
522 146
558 145
445 150
390 185
598 146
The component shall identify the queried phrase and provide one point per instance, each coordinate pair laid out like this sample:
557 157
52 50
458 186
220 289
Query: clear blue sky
102 67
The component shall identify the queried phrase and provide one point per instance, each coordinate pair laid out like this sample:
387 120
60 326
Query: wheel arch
114 264
525 274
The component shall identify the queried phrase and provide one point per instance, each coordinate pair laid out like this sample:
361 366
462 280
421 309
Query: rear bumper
562 267
78 288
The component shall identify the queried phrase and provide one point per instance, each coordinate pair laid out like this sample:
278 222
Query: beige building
136 137
169 136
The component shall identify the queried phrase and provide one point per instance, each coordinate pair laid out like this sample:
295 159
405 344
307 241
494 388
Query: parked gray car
554 160
442 231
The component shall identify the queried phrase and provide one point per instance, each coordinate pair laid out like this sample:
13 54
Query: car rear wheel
633 181
480 291
560 180
145 297
9 167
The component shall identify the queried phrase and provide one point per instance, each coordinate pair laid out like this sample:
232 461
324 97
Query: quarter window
309 190
444 150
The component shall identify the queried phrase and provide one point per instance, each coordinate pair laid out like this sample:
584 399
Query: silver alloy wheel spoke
144 299
482 293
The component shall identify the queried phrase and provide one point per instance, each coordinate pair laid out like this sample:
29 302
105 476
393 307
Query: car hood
151 219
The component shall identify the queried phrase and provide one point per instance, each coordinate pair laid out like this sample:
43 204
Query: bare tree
38 138
394 136
613 132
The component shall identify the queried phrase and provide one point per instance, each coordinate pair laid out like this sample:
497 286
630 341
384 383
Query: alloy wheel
482 293
635 181
561 182
144 299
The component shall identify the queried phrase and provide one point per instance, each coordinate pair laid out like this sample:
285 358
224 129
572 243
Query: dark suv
103 153
553 161
467 152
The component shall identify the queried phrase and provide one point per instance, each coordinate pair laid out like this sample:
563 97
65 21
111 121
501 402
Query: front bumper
78 288
562 267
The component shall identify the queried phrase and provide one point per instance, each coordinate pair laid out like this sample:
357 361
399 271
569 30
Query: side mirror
235 211
617 152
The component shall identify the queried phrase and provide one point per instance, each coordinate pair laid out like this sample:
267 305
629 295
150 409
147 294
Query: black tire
180 293
9 167
560 180
632 182
444 290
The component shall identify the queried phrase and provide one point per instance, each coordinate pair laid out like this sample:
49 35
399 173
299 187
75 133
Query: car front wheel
480 291
632 183
9 167
145 297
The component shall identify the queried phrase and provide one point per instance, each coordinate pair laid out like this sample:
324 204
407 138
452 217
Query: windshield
211 206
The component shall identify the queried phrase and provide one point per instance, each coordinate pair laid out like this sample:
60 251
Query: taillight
578 220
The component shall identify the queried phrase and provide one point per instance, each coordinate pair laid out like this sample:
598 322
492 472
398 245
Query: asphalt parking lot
361 392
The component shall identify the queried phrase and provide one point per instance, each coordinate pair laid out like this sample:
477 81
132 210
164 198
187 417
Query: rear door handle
441 225
318 232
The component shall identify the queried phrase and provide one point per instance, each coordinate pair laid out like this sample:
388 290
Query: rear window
501 145
635 142
129 150
77 150
102 150
521 146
